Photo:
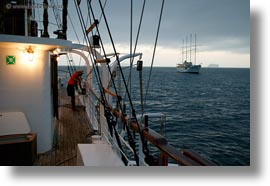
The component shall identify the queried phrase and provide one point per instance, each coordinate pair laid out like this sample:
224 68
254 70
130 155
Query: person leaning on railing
73 83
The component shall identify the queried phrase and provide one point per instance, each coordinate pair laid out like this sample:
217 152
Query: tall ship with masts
37 123
187 65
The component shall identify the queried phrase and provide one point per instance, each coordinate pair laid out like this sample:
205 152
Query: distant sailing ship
185 66
188 67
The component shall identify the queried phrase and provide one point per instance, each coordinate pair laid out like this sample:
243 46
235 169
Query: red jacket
74 79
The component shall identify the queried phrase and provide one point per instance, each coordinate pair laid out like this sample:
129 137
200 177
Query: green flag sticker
10 60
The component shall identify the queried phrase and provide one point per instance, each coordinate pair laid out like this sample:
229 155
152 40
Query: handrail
193 155
186 158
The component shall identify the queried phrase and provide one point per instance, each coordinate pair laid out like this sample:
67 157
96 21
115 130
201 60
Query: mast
183 47
190 48
186 47
25 18
45 19
65 13
195 47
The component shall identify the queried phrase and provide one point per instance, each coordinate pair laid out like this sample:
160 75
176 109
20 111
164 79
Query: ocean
207 112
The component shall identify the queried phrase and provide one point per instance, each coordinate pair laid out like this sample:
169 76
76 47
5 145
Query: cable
154 52
104 5
96 71
137 39
108 114
125 84
74 29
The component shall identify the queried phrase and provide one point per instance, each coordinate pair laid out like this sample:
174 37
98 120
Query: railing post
163 159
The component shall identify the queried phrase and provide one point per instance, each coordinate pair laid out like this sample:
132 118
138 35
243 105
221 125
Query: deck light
30 53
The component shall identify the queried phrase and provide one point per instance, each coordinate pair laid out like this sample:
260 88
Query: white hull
193 69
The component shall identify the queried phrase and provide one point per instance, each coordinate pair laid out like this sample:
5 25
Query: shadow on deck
73 127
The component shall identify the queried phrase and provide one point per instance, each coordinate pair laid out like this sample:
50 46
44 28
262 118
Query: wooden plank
92 26
110 92
106 60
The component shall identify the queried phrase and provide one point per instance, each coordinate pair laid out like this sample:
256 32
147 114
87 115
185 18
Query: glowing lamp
30 53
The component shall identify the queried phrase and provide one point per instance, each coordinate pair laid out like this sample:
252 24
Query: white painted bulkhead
26 85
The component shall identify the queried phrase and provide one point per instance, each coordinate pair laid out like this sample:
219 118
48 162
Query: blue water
207 112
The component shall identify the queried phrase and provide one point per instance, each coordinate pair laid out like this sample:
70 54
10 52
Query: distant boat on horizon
213 66
185 66
188 67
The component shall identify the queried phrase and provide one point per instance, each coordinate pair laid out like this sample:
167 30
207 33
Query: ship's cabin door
54 85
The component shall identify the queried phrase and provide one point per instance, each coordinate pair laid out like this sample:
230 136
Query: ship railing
166 151
181 157
91 103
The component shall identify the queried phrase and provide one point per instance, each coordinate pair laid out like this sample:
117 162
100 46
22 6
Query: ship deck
72 127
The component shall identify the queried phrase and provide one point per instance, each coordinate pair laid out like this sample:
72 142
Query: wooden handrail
196 157
186 158
151 136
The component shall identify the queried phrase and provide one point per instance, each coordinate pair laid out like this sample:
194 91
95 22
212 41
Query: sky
222 28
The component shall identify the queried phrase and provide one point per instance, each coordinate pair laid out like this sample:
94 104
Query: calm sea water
207 112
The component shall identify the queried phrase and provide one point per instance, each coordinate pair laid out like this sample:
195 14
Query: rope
131 26
104 5
110 120
96 71
104 52
56 14
117 57
74 29
145 149
129 97
71 68
137 39
154 52
108 115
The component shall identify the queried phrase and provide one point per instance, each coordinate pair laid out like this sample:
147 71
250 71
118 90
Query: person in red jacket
73 83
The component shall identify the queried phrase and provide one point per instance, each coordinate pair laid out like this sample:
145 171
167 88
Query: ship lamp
30 54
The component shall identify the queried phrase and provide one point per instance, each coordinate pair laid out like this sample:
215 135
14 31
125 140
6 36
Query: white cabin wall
26 87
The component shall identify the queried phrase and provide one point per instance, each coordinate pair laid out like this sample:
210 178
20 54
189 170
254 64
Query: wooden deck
73 127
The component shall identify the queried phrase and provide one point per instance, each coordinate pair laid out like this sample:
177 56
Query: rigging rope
74 28
137 39
104 52
131 27
104 5
56 14
90 49
145 149
111 122
116 55
108 113
154 52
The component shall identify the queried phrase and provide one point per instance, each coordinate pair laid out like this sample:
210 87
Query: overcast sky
222 28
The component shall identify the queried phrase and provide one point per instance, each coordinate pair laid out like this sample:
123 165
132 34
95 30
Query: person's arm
78 82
